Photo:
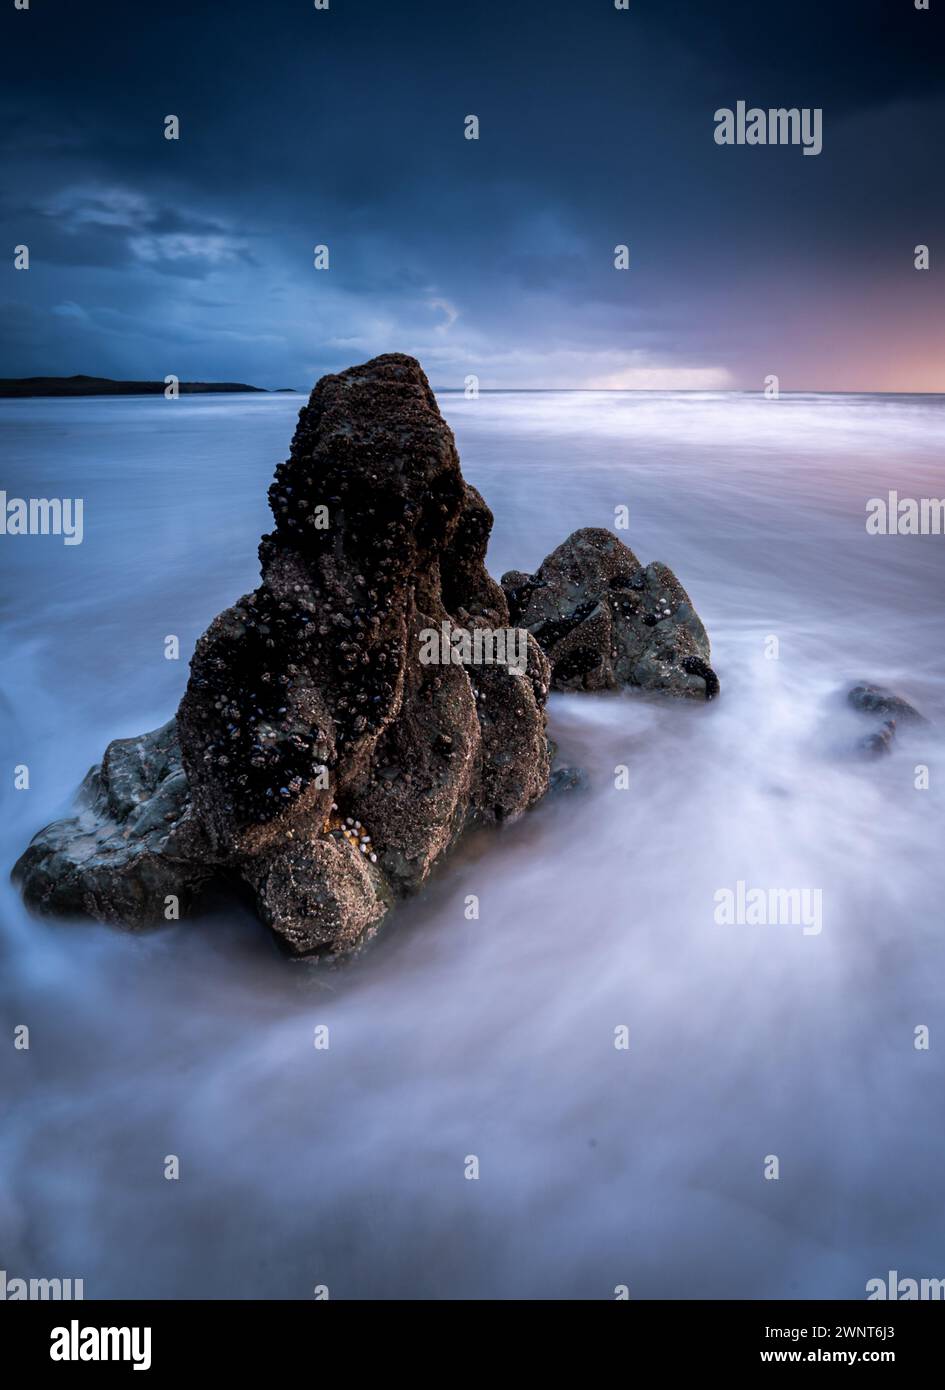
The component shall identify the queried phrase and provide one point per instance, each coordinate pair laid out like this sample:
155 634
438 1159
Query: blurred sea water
599 1166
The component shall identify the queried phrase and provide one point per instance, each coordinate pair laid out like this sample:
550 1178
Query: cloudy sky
345 127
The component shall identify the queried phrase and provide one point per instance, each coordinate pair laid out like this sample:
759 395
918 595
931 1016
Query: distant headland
104 386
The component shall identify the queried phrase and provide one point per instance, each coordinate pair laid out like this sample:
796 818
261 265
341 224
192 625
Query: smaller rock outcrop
888 710
133 842
604 620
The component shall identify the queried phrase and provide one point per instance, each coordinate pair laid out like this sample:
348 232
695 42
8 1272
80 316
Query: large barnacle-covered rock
322 759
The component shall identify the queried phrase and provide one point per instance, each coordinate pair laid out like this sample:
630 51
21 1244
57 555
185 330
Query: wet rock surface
315 754
877 700
888 711
604 620
133 842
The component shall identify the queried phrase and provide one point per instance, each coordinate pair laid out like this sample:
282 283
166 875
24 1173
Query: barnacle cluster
352 830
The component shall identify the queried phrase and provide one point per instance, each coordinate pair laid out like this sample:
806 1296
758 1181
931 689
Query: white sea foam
495 1037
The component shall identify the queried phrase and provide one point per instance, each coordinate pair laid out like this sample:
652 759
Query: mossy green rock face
605 621
320 759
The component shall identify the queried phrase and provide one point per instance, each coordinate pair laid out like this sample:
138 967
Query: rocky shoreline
317 755
29 387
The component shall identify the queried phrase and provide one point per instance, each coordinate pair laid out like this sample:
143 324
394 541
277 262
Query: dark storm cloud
345 127
98 225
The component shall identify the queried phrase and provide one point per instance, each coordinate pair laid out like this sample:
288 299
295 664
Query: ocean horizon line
494 391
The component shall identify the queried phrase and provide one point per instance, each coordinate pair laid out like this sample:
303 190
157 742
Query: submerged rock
133 843
568 779
321 759
605 621
888 709
880 741
876 699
